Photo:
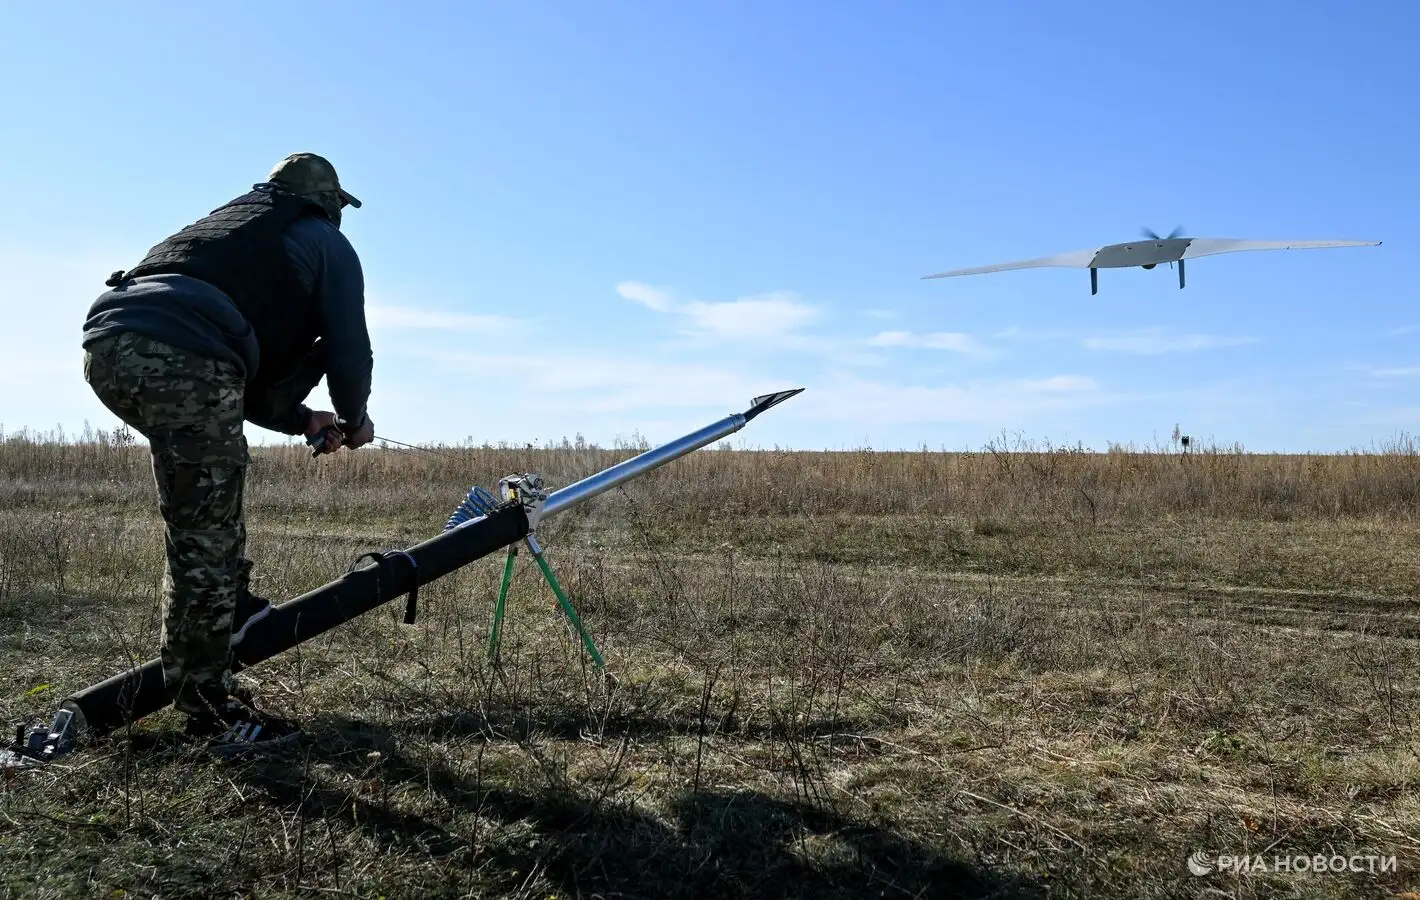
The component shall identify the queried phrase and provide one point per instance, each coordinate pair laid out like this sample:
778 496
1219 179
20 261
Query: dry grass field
1024 672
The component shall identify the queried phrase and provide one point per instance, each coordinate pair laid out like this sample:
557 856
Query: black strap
381 558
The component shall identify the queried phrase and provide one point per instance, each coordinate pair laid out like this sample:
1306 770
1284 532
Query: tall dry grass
1005 480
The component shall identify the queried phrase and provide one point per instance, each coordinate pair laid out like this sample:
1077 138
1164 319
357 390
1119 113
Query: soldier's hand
324 421
362 435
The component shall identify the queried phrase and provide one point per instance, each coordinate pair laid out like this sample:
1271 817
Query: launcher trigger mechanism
43 743
526 488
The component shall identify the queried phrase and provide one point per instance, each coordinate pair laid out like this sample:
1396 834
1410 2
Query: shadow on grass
563 723
602 843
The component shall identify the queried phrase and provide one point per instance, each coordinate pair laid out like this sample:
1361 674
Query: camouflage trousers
190 409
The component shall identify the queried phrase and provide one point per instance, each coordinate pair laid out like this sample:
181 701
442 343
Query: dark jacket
265 281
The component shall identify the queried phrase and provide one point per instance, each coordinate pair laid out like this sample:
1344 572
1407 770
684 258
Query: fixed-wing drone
1149 253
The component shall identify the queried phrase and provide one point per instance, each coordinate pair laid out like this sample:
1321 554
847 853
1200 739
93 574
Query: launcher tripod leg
495 636
587 641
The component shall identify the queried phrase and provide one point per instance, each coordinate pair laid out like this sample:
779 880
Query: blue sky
607 218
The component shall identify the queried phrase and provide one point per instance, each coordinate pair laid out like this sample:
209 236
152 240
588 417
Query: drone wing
1080 259
1209 246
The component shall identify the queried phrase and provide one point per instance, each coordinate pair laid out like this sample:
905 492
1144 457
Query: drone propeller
1149 233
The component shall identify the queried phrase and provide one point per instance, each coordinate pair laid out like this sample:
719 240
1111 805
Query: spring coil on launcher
477 504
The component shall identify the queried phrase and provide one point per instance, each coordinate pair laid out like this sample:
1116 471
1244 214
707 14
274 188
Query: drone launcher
481 525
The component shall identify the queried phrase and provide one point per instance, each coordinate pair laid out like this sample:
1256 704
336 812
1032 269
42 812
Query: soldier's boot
233 724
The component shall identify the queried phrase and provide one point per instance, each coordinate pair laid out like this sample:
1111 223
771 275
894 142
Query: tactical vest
238 249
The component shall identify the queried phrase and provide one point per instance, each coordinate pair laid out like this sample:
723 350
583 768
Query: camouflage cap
309 174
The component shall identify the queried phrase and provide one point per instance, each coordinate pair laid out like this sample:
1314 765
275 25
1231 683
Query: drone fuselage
1146 253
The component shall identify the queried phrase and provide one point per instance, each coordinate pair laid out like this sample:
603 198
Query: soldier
236 317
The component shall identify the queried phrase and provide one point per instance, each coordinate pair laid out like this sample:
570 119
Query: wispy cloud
783 319
1404 329
994 403
656 299
758 317
1396 372
1057 384
590 382
383 316
1141 341
775 319
1148 341
575 385
1016 333
955 341
1390 417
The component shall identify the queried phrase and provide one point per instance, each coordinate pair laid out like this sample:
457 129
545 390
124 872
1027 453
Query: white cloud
954 341
757 317
1060 383
1405 329
383 316
1155 340
1404 417
760 317
996 403
779 319
1016 333
1398 372
852 358
775 319
570 388
1142 341
656 299
584 382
